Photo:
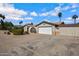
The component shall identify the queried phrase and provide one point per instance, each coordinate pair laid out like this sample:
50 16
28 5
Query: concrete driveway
38 45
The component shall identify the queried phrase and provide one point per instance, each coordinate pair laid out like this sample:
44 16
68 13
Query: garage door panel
45 30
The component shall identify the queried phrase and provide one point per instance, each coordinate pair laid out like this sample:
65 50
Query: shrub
8 33
4 32
17 31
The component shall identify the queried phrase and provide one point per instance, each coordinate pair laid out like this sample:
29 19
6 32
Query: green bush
17 31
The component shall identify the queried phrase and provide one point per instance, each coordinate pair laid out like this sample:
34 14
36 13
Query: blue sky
37 12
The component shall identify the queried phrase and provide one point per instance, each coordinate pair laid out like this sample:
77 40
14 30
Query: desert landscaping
38 45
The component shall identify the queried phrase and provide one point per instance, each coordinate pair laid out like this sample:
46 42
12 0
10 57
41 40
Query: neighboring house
53 28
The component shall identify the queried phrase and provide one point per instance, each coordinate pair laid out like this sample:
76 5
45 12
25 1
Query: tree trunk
60 19
74 21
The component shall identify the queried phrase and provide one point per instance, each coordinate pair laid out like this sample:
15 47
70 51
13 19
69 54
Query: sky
38 12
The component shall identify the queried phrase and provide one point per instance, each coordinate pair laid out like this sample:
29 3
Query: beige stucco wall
70 31
25 28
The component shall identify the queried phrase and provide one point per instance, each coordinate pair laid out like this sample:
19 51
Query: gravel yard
38 45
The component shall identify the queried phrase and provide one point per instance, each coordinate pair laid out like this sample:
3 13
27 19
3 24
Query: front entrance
33 30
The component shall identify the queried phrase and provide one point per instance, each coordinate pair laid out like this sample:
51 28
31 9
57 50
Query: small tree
2 22
8 25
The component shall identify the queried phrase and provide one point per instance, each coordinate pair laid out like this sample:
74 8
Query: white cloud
10 12
68 21
14 18
33 13
61 4
73 10
50 13
18 18
77 19
58 8
44 14
46 20
28 18
74 5
66 8
69 18
53 12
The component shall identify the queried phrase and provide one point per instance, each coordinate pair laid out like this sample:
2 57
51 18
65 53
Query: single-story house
53 28
41 28
46 27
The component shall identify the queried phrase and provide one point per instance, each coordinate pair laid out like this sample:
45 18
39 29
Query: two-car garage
45 30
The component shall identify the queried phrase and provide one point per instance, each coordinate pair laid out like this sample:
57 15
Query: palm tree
20 22
60 15
74 17
2 22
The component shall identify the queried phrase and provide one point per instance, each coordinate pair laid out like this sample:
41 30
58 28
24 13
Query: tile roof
46 23
55 24
69 25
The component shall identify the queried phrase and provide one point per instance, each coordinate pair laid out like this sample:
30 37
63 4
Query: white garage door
45 30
